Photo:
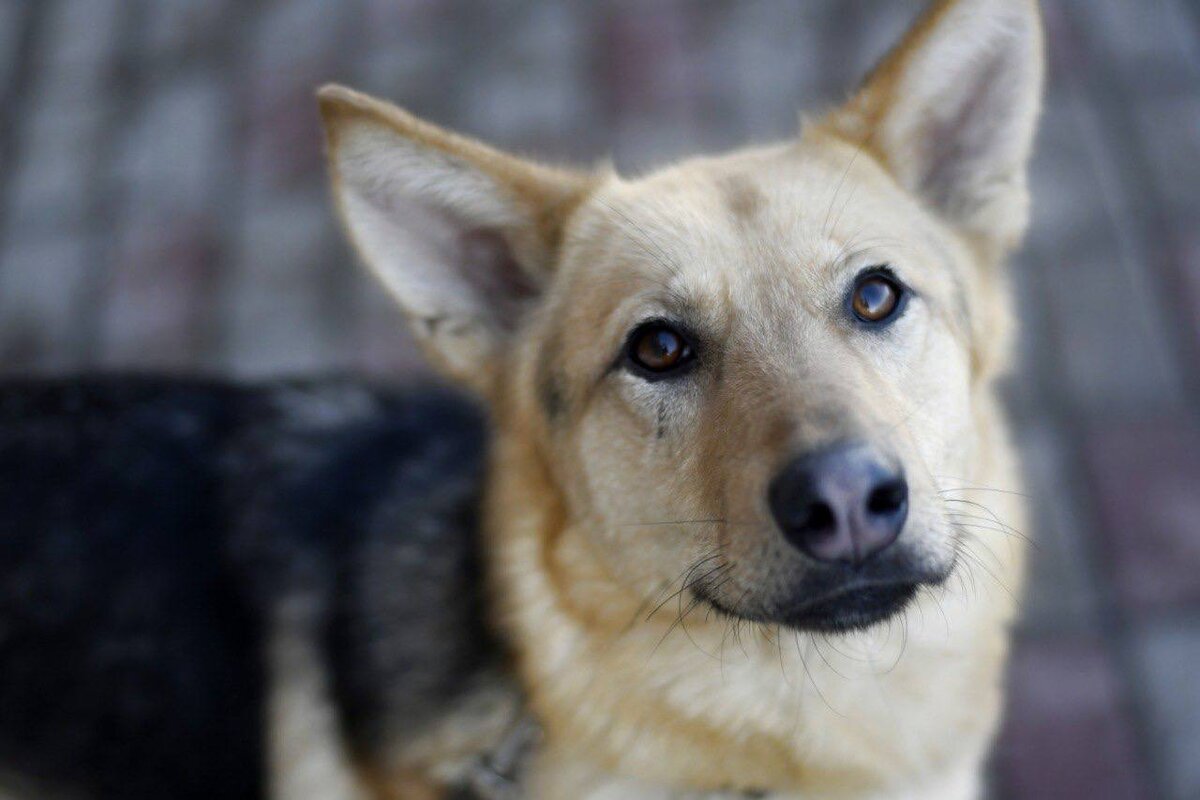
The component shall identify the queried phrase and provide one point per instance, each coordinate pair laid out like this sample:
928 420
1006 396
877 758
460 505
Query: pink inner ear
493 274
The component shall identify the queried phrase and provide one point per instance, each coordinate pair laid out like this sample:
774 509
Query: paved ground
162 206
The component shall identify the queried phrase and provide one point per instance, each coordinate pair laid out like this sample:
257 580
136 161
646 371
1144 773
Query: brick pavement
162 205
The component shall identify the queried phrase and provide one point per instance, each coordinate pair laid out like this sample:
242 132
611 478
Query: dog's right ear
951 112
464 236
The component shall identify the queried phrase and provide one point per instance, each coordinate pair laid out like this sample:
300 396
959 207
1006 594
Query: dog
731 513
741 516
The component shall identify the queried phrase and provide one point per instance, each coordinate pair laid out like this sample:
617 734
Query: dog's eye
657 347
876 297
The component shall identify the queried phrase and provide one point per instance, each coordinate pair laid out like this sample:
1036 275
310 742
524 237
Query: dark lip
851 606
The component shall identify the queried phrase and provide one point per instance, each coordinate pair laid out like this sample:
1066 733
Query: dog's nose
840 504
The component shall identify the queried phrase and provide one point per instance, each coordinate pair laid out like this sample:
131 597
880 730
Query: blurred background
163 206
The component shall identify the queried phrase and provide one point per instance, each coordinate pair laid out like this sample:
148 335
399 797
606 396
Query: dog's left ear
464 236
951 112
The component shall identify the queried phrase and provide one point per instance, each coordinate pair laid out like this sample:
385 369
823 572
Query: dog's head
746 372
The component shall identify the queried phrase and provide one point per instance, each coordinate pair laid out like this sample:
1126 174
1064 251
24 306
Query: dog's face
754 369
748 375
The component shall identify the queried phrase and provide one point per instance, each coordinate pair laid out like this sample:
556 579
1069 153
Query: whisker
991 517
837 189
644 239
686 582
657 523
817 646
978 562
983 523
808 672
967 487
695 601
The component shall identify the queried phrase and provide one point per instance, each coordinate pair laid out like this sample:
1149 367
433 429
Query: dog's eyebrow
741 196
643 239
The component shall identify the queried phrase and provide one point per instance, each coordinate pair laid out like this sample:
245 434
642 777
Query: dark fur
150 529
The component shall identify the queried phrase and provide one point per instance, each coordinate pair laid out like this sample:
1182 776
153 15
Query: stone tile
55 160
1143 478
158 305
12 19
283 310
80 36
1141 39
759 68
1066 734
174 27
1186 258
1167 655
174 148
1111 346
293 36
1058 172
295 47
526 88
49 190
1104 305
1062 595
1028 389
42 300
385 347
1135 100
648 76
403 44
283 140
1167 125
170 161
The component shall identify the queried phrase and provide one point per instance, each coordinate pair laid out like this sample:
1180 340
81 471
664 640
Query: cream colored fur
607 492
306 756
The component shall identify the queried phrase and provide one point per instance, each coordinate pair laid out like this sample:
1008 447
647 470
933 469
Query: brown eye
876 298
657 347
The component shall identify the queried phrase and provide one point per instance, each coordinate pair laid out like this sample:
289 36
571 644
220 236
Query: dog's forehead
764 218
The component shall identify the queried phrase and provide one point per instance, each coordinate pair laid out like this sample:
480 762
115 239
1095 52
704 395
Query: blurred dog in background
738 517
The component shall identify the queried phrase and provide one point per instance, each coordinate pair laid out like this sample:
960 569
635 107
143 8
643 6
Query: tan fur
307 757
403 785
606 493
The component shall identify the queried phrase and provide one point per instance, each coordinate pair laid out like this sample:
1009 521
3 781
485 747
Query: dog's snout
840 504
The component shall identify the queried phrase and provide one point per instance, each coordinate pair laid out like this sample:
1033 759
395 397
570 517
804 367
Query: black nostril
817 517
888 498
841 504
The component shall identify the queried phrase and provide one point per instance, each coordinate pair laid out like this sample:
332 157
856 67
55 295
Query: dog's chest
796 713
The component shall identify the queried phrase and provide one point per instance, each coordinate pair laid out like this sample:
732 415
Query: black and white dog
207 589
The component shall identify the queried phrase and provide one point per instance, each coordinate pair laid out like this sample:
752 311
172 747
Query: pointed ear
951 113
465 237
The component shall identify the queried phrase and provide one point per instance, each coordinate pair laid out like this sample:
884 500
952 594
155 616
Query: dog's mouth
852 607
831 603
849 608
